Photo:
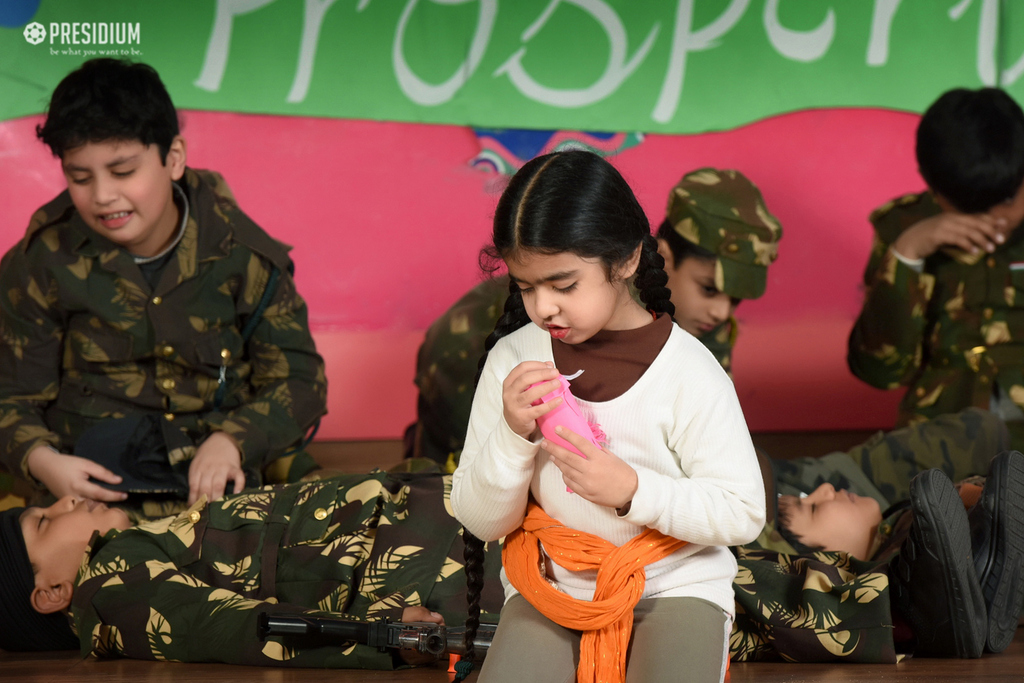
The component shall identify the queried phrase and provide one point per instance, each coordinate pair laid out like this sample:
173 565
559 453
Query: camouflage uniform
950 333
718 210
367 546
820 607
84 338
190 588
828 606
724 213
446 366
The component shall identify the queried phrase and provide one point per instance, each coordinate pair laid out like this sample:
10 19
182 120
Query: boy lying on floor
191 587
924 577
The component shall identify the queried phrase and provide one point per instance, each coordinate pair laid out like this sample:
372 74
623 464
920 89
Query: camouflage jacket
447 362
83 337
190 588
947 333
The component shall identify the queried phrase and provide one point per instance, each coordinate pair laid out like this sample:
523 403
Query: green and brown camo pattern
83 337
190 588
724 212
947 333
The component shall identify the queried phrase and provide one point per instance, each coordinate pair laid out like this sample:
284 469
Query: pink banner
387 220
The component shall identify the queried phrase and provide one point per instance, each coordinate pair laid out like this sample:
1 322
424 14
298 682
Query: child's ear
629 267
177 155
50 599
666 253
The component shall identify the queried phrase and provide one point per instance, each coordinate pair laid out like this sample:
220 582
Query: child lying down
192 587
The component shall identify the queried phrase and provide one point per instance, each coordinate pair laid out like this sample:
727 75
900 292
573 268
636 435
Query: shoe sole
967 603
1004 582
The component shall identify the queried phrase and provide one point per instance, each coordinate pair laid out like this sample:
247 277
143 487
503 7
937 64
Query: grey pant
670 636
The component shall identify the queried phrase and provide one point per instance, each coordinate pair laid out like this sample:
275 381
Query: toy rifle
424 637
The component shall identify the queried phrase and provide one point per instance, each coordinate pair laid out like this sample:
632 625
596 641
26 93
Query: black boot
997 540
932 579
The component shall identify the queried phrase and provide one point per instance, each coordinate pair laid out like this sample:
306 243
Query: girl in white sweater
675 482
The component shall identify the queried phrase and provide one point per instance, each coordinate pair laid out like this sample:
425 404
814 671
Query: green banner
672 66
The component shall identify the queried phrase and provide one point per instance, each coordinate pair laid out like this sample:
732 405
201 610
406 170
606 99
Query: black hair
573 202
681 247
970 148
783 516
25 629
110 99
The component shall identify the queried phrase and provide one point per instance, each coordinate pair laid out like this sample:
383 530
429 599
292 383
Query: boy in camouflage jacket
128 296
943 313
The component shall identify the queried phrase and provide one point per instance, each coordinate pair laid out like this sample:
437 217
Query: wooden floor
65 667
68 667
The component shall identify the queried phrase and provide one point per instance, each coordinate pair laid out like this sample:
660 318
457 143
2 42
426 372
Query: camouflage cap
723 212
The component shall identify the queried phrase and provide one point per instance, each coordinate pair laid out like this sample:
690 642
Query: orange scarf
607 620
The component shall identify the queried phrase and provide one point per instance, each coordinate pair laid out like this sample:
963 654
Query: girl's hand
517 397
69 475
601 477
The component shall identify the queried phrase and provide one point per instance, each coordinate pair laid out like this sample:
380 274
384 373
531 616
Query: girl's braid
513 317
651 278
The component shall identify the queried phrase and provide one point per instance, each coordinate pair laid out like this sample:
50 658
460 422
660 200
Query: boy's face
56 537
833 520
700 306
123 191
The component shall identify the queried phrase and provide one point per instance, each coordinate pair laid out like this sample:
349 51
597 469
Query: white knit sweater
680 427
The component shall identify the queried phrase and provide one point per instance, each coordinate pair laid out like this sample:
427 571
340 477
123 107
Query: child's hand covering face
972 233
968 232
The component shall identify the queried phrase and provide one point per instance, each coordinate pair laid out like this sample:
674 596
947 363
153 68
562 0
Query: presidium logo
35 33
84 33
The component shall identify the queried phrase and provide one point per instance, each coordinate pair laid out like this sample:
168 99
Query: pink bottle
568 415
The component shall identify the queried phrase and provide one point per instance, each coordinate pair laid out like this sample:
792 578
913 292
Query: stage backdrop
347 130
663 66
